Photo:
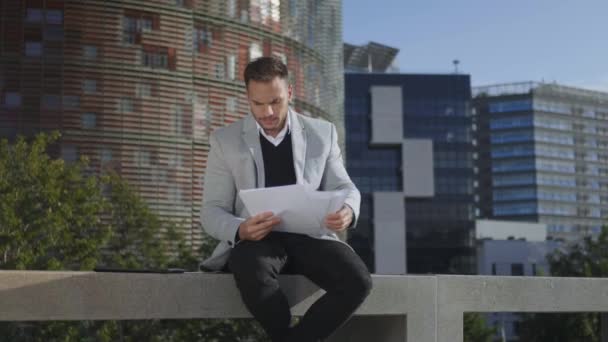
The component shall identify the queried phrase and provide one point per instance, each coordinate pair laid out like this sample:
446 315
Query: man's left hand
339 220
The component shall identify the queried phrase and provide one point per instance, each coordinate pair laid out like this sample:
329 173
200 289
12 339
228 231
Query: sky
506 41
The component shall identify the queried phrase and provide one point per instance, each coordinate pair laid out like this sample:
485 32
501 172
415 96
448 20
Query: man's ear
289 92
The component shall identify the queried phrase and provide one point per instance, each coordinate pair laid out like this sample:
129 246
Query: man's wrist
352 215
237 236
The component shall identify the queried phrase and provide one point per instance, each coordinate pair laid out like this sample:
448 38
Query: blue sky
496 41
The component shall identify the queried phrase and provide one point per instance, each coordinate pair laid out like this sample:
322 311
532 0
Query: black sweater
278 162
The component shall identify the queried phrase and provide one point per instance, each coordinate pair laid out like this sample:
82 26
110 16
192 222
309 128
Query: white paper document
301 209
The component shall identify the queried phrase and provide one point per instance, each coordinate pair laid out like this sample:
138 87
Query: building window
534 270
255 51
129 30
143 90
231 8
293 8
33 15
33 49
142 158
231 67
517 269
270 11
50 101
175 193
177 120
145 24
89 120
89 51
231 104
69 153
155 60
54 16
126 105
53 33
280 56
132 26
220 71
203 39
510 106
493 268
105 155
176 160
89 86
71 102
12 99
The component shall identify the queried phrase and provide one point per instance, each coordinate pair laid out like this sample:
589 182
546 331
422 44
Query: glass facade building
138 86
440 229
542 156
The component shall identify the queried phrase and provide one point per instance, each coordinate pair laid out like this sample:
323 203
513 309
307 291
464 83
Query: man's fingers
335 220
262 216
332 217
262 226
260 234
269 223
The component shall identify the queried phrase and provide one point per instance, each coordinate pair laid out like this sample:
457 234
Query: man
273 147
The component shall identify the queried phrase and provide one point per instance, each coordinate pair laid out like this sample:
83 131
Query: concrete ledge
45 295
433 305
459 294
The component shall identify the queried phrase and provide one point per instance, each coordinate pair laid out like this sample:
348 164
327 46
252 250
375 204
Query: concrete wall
433 305
387 115
418 168
390 243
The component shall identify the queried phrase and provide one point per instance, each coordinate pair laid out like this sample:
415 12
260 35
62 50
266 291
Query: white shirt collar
279 138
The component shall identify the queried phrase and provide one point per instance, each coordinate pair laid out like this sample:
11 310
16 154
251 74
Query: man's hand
339 220
258 226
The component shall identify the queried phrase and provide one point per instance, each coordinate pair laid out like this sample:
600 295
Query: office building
138 86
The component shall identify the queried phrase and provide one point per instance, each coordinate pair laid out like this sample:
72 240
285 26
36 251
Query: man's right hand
257 227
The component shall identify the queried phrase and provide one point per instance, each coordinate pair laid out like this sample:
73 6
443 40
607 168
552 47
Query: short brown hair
265 69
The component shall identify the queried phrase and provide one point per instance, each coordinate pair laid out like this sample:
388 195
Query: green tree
51 219
476 329
586 259
49 210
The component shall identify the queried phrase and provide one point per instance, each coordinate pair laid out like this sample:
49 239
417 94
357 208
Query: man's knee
361 284
251 261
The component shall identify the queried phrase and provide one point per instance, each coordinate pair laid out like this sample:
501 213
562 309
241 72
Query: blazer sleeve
219 192
335 177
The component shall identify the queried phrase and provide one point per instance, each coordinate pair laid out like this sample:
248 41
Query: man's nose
268 111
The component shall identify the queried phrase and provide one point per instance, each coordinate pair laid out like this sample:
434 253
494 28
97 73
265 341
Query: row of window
546 208
528 121
526 208
454 186
510 106
514 194
547 195
529 136
142 158
47 16
570 228
548 106
540 151
546 180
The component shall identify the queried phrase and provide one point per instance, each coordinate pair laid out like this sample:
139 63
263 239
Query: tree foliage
60 216
476 329
586 259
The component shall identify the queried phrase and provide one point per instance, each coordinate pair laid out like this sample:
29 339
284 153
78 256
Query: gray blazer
235 162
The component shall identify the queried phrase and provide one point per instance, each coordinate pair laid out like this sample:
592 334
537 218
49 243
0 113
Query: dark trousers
332 265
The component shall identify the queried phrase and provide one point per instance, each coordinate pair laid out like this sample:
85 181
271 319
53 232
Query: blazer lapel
252 140
298 145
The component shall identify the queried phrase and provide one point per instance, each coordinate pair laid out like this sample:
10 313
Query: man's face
269 102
